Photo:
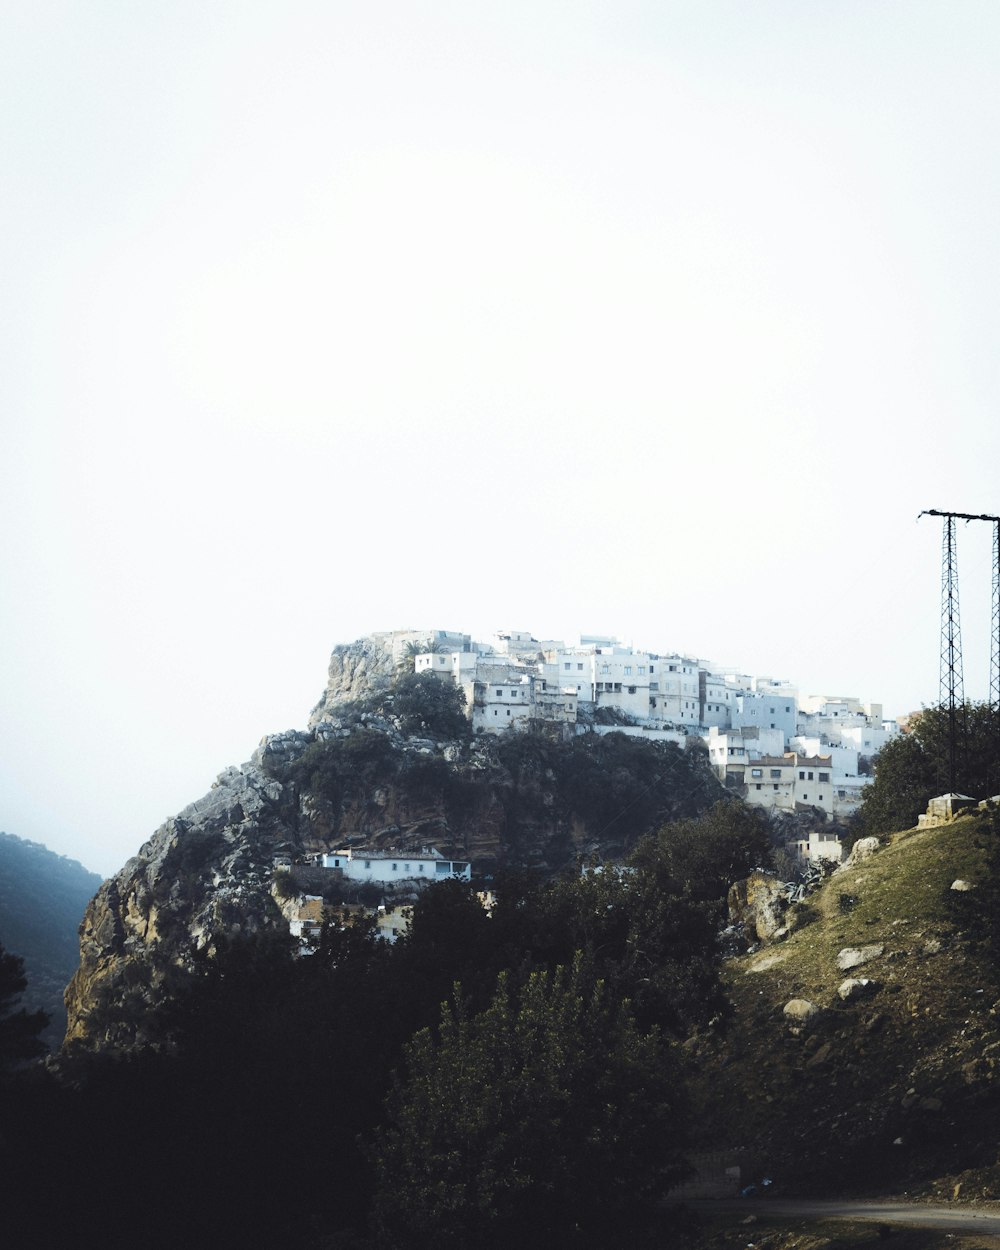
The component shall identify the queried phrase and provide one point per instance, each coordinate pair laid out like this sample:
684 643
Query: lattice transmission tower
952 691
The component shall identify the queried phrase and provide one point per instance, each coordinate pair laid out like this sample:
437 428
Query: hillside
392 765
898 1088
42 900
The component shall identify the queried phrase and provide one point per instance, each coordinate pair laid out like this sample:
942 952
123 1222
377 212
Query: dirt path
985 1220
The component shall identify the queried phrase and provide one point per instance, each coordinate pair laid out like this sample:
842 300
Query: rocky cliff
367 772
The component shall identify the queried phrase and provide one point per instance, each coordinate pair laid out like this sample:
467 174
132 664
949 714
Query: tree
425 703
19 1030
548 1117
705 856
408 656
911 769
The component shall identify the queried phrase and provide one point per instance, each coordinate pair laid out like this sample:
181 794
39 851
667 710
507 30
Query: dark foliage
261 1090
428 704
42 900
914 767
19 1029
618 787
703 857
548 1118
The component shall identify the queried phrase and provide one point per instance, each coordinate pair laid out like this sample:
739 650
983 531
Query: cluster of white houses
775 747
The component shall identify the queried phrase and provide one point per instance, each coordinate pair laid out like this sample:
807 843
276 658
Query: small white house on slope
386 867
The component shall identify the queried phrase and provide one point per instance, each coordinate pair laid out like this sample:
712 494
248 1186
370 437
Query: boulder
856 987
800 1011
855 956
962 886
863 849
757 904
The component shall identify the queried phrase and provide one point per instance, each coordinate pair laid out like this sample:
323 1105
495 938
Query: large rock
855 956
800 1011
355 670
758 904
863 849
856 987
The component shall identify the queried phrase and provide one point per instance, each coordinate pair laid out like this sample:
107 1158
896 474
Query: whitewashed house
770 782
389 867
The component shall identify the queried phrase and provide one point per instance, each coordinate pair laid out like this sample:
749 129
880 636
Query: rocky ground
864 1046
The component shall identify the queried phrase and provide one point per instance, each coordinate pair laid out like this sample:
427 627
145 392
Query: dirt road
985 1220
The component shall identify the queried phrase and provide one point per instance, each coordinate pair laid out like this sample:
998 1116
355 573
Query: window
775 787
406 868
631 689
824 776
802 775
775 772
758 785
605 668
368 863
566 665
579 668
756 772
804 797
395 867
420 867
499 694
628 670
810 776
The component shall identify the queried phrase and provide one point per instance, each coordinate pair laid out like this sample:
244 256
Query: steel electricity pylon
995 627
951 682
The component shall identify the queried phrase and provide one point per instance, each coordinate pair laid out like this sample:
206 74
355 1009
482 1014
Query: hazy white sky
665 319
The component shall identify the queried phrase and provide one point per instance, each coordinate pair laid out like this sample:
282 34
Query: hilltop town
779 749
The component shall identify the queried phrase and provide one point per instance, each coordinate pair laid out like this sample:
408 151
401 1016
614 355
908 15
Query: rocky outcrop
355 777
863 849
356 669
204 872
757 905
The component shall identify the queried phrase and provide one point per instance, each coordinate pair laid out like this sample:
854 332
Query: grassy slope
920 1061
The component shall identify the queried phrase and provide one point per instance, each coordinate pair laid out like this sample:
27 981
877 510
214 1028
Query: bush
428 704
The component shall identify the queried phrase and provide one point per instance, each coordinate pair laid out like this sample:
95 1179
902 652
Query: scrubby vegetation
559 1054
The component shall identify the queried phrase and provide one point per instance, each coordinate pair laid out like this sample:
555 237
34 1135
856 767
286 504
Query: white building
814 783
732 752
766 710
516 679
388 867
770 782
819 847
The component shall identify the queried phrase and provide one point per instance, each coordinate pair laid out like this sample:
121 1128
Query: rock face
207 870
758 904
355 669
354 776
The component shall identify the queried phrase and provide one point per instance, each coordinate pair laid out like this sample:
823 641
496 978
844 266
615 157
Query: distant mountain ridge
42 900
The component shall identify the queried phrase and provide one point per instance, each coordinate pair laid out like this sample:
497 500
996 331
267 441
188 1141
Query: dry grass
875 1093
